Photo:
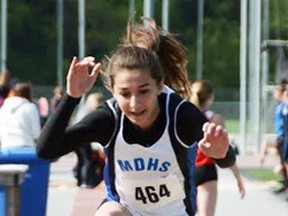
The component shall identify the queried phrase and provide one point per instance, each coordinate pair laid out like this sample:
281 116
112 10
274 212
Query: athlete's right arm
56 139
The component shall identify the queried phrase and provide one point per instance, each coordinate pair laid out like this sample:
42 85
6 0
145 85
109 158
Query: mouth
136 114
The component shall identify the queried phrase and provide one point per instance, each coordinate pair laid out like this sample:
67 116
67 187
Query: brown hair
23 89
171 53
202 90
132 57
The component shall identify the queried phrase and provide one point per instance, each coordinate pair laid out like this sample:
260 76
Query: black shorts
205 173
280 147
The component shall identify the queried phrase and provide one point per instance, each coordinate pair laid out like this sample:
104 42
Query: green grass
261 174
232 125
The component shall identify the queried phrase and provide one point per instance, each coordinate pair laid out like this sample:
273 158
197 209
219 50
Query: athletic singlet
149 180
201 158
184 122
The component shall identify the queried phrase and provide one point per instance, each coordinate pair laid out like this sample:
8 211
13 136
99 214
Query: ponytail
171 53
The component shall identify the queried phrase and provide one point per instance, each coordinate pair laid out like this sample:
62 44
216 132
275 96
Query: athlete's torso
149 180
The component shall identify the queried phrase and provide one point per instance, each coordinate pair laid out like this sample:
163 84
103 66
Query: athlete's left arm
190 121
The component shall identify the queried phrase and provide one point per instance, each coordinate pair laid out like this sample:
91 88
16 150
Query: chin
137 121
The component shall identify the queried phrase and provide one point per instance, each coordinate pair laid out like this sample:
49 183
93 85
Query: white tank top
148 179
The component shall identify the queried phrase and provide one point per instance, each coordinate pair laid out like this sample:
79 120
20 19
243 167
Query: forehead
125 78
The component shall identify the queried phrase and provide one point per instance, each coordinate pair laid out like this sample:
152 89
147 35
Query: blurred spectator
93 101
19 118
4 86
283 148
55 100
90 156
278 96
206 176
43 107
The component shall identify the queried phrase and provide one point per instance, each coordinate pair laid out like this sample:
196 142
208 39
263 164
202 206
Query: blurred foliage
32 34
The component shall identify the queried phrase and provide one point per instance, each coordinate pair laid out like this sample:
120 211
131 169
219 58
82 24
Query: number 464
151 193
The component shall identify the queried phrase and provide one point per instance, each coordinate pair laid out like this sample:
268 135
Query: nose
134 102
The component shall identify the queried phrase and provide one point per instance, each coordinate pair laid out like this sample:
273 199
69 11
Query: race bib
147 195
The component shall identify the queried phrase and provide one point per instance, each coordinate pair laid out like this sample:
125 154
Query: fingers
209 128
219 130
87 61
83 65
213 129
95 71
215 141
89 58
73 63
205 126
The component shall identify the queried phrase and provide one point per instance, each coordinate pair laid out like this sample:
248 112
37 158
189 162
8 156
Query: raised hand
79 80
215 142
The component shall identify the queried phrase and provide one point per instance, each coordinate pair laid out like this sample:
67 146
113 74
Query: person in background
43 107
4 86
283 148
279 92
55 100
19 118
90 156
149 133
205 171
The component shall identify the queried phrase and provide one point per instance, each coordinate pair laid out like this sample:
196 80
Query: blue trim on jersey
191 157
110 196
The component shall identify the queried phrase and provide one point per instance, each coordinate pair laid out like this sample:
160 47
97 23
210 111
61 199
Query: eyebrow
141 86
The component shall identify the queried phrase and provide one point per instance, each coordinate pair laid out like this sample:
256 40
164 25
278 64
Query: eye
144 91
125 94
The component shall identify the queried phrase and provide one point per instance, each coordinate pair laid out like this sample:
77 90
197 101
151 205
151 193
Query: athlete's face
137 95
